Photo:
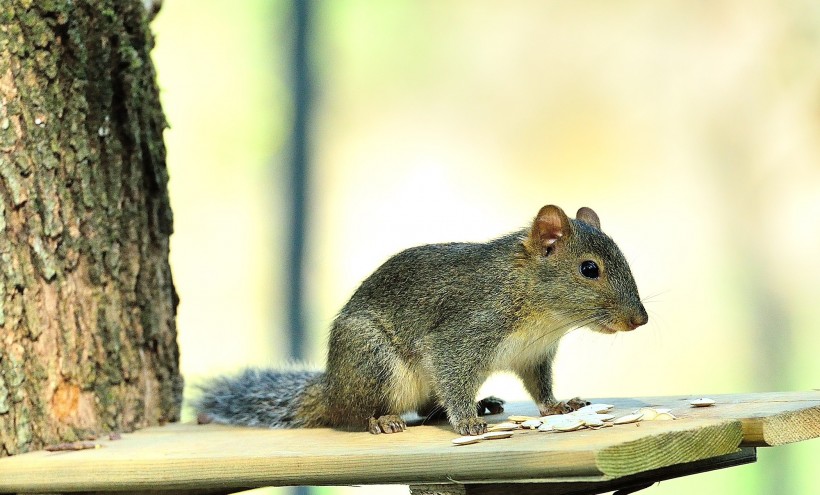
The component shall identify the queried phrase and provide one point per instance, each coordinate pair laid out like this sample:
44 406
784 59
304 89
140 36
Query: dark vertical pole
299 151
299 157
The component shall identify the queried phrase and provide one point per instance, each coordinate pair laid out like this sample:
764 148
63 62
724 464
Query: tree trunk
87 304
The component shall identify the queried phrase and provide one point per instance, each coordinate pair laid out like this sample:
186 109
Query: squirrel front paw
471 426
389 423
562 407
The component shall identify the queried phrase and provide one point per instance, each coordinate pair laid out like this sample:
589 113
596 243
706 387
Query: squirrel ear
589 217
550 224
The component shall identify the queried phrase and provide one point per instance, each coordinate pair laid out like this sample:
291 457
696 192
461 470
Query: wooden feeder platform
194 459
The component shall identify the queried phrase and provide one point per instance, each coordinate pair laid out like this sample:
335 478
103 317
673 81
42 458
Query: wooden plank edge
215 474
193 491
670 448
783 428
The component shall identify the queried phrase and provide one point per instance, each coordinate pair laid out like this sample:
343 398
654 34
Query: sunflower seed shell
466 440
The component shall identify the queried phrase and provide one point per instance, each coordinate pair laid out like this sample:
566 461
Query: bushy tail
257 398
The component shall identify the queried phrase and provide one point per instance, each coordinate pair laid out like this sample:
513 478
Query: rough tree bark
87 304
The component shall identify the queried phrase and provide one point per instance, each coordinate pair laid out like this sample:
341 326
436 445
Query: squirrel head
581 271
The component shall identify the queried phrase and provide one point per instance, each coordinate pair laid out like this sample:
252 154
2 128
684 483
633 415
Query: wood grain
768 419
216 457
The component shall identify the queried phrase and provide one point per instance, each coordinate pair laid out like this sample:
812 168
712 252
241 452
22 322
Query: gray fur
256 398
427 327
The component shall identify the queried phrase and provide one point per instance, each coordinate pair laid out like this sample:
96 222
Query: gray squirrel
426 329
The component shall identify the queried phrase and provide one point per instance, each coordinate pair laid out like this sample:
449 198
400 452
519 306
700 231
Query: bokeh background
692 128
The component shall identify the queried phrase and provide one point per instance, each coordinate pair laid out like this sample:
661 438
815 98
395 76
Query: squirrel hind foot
490 405
486 406
389 423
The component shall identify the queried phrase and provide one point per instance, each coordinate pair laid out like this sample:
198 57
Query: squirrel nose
638 319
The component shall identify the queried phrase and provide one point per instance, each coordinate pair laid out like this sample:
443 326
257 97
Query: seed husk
495 435
571 424
504 427
466 440
595 408
629 418
703 402
520 419
647 413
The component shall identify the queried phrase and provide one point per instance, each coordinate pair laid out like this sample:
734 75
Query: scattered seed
565 429
703 402
595 408
605 425
520 419
557 419
495 435
531 424
466 440
647 413
571 424
73 446
629 418
503 427
545 427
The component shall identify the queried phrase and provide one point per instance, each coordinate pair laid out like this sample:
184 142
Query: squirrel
425 330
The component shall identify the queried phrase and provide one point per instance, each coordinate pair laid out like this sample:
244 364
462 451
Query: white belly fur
527 346
412 389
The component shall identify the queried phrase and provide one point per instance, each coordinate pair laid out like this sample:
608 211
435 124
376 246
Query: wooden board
768 419
213 457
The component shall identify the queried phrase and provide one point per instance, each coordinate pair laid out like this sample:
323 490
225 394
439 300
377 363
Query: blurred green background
692 128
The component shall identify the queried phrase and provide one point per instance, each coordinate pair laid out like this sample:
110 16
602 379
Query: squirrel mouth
602 328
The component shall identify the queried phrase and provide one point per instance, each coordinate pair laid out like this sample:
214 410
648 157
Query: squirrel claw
389 423
471 426
563 407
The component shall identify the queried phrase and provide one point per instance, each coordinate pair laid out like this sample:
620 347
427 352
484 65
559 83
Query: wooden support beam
636 481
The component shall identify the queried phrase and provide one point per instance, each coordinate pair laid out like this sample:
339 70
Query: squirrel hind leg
368 384
388 423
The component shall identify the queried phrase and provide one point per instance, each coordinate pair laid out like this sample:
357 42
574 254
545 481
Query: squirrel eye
589 269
